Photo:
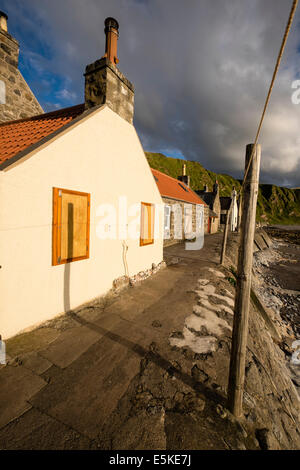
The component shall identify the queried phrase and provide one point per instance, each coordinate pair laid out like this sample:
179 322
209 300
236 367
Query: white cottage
60 173
230 203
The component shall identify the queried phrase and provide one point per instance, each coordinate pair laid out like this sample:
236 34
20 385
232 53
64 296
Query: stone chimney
104 83
16 99
9 45
3 21
216 188
205 188
184 178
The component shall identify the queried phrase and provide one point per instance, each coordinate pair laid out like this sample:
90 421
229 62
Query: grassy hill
275 204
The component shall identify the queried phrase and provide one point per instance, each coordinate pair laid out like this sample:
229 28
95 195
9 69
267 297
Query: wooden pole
242 298
239 213
225 235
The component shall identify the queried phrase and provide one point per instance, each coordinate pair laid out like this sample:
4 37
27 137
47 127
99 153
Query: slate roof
174 189
225 203
208 198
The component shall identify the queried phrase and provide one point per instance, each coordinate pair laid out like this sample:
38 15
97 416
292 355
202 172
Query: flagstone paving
125 372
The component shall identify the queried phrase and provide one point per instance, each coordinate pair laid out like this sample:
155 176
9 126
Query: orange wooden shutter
71 226
147 224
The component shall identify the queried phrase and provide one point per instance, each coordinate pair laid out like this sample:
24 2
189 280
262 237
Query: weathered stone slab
37 431
266 237
87 392
35 363
260 242
70 345
17 385
31 341
255 247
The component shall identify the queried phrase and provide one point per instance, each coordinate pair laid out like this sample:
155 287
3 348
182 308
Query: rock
221 411
178 397
240 446
156 324
199 374
120 283
266 440
193 403
153 348
251 417
241 429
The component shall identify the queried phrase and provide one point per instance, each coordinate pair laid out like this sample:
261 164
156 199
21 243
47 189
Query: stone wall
104 83
171 202
17 100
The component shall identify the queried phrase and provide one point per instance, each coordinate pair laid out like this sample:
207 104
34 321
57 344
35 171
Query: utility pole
244 271
225 235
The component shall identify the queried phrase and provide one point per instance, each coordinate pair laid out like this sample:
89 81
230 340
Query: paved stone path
146 369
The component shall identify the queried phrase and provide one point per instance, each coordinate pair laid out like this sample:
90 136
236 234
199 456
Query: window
147 224
188 219
181 185
71 226
167 221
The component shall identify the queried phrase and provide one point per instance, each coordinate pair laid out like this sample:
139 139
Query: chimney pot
216 187
112 35
184 178
105 83
3 21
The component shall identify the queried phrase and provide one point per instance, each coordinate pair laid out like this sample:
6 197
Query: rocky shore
277 280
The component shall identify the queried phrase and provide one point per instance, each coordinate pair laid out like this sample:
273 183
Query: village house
59 172
181 204
212 199
229 203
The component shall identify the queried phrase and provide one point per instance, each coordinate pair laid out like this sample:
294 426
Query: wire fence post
244 270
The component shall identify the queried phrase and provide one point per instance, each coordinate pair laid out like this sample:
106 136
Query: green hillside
275 204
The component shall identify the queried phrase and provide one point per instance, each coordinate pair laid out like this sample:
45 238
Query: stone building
16 98
60 173
227 203
180 205
212 199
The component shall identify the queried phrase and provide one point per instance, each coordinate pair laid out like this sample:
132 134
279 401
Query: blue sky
37 56
201 71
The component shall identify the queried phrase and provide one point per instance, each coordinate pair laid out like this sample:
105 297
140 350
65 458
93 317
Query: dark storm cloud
201 70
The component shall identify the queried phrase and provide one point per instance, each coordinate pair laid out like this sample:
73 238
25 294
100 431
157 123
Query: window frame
148 241
56 226
167 229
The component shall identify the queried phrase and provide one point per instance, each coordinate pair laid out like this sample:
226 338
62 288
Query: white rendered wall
101 155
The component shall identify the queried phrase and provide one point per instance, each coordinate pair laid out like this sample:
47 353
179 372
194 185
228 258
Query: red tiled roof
170 187
16 136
